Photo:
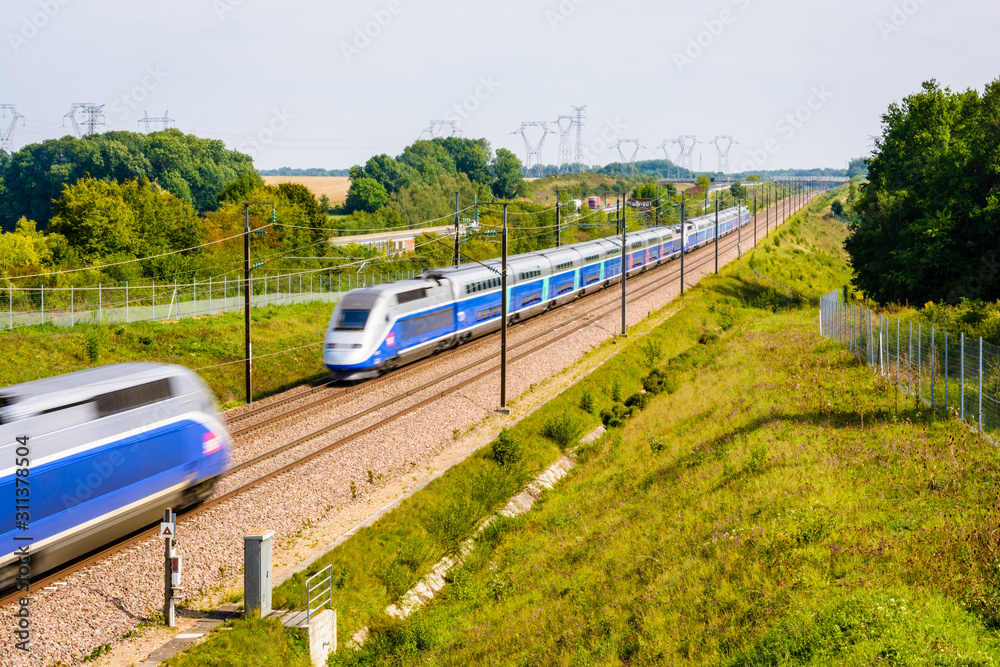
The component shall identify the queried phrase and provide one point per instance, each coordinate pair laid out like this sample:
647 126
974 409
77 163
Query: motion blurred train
376 329
89 457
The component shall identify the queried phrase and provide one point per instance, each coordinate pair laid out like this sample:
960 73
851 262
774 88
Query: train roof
86 383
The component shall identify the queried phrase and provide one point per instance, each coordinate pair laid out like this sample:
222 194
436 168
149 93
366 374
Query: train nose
341 353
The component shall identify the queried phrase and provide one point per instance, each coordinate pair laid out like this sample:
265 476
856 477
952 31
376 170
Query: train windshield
352 320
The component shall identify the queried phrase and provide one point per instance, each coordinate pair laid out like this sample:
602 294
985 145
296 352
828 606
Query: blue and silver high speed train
105 451
376 329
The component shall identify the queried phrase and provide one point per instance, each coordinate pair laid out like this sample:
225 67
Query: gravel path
99 605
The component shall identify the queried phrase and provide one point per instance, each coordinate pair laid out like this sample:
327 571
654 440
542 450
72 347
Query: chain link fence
69 306
949 372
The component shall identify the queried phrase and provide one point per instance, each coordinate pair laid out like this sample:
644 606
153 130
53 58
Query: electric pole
717 234
503 314
682 244
248 345
558 206
624 267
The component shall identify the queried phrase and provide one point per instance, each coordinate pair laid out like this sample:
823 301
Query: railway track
654 278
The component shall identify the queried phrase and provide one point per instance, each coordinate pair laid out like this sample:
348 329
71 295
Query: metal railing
947 371
315 591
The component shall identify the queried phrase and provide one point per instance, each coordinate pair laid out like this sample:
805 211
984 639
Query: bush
587 402
639 400
616 390
92 341
616 416
561 429
652 351
660 380
708 337
506 450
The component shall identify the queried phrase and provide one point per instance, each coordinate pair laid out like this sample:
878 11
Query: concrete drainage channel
432 583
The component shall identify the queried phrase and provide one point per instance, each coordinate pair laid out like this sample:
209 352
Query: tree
928 214
135 219
753 178
366 194
506 172
193 169
703 182
857 168
837 207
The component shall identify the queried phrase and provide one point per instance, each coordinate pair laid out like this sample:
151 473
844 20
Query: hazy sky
329 84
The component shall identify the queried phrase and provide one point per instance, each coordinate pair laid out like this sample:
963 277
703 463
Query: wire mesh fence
69 306
949 372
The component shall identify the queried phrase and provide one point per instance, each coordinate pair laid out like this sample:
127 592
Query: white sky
237 70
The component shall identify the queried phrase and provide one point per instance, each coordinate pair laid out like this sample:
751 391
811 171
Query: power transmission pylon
7 134
565 125
630 161
719 141
579 120
437 129
165 122
93 117
533 150
686 144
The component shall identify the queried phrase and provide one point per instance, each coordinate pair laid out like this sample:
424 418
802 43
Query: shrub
655 442
616 390
561 429
708 337
616 416
92 342
660 380
506 450
652 351
587 402
639 400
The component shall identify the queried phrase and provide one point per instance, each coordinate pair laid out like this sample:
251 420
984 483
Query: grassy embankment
773 503
199 342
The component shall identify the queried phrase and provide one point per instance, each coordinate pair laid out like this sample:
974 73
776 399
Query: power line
92 118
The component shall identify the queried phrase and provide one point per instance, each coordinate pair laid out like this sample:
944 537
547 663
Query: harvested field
334 187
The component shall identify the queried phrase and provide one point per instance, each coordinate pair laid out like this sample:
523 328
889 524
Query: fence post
909 364
980 385
154 299
225 293
897 350
126 303
946 404
932 367
100 304
961 384
265 289
42 292
72 314
210 295
10 307
194 298
920 345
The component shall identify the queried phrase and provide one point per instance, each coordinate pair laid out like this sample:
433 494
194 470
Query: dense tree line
194 170
929 214
420 181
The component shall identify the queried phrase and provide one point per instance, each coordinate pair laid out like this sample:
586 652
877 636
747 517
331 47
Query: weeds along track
291 455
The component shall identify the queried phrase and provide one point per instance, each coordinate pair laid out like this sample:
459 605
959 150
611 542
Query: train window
352 320
593 258
5 401
412 295
564 265
637 244
132 397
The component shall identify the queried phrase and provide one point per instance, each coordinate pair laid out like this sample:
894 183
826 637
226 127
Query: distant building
394 242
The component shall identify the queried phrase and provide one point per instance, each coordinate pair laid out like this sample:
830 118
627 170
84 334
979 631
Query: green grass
250 642
198 342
